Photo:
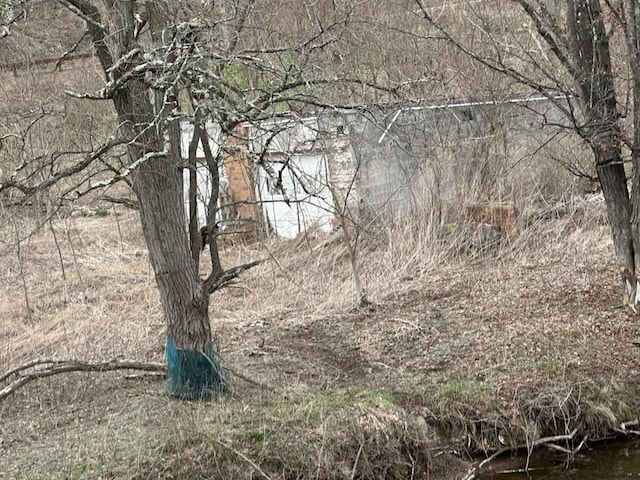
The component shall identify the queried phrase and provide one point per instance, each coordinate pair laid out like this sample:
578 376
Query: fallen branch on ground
626 430
536 443
631 423
46 368
43 368
27 366
549 442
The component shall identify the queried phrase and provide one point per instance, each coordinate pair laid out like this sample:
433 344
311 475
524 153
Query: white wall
311 207
203 192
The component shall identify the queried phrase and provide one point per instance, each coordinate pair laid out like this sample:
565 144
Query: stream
616 461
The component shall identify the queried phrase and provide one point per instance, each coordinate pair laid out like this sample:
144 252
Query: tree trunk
614 187
194 228
155 169
591 54
193 367
632 35
212 210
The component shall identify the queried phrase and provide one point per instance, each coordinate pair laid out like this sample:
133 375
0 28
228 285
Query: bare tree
160 59
573 48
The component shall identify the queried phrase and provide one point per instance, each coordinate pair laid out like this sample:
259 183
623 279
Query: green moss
102 212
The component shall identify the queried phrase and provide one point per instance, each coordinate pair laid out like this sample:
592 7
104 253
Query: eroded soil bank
613 460
458 355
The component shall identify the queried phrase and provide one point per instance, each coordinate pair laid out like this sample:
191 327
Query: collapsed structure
373 165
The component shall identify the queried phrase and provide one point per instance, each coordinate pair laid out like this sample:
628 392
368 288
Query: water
617 461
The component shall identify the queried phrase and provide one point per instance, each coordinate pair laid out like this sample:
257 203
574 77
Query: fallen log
24 374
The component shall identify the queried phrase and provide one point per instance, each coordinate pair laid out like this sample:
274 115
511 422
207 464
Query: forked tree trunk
157 180
193 367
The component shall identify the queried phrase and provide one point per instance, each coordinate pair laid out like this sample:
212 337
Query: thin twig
628 433
20 264
67 54
355 464
238 374
55 239
115 215
244 457
249 380
73 253
471 474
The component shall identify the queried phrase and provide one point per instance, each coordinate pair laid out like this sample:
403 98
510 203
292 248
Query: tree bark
194 229
193 370
146 121
631 27
614 187
591 56
212 211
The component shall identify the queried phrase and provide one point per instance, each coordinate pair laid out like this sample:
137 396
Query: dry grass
459 349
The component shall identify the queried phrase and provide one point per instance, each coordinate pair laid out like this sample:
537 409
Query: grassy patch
330 434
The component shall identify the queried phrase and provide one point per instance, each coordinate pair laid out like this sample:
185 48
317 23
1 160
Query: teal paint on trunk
193 375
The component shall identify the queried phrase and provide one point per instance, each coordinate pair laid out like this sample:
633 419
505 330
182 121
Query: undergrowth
461 351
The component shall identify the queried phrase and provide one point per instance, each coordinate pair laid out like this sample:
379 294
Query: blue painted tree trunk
193 375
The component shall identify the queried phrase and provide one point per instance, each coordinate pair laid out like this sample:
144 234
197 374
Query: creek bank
613 460
500 447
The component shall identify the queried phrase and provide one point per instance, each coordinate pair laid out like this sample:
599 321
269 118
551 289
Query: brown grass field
461 353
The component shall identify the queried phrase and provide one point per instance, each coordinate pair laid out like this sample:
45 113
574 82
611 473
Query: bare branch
238 24
136 73
548 30
60 174
487 62
65 55
546 441
212 283
4 27
97 30
130 168
127 202
48 368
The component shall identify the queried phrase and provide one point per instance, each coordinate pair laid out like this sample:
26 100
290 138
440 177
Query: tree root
46 368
